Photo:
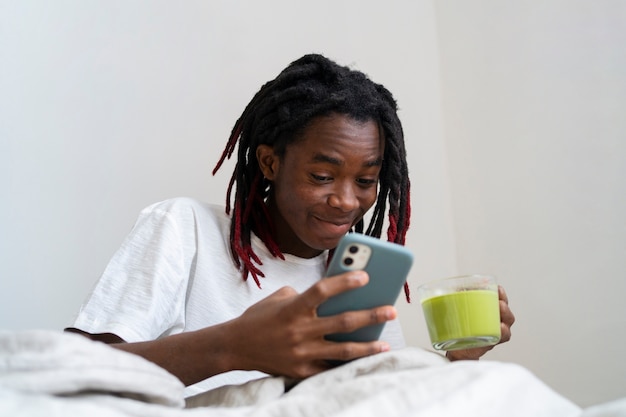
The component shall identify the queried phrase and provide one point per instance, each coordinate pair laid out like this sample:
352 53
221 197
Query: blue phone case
388 266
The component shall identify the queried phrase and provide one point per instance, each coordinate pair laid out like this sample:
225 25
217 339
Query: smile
335 227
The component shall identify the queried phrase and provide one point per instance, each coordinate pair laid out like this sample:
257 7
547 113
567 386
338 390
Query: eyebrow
320 157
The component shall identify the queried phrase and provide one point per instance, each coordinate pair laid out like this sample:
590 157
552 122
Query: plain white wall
108 106
535 102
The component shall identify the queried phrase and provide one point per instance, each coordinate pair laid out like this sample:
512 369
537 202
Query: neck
284 237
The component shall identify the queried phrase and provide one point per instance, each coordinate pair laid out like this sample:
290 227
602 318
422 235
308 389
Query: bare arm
279 335
191 356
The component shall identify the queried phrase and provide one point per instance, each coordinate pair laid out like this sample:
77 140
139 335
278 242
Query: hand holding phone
387 265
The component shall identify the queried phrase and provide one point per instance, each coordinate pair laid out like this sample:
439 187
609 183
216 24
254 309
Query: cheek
291 194
368 199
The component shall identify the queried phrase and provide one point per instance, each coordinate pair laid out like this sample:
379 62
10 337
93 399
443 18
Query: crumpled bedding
46 373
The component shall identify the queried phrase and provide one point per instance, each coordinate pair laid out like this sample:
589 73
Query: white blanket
45 373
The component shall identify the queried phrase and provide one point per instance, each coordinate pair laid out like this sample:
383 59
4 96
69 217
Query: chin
329 243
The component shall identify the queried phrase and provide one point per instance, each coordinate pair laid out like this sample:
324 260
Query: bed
47 373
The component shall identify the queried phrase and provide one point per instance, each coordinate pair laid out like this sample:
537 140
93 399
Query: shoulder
184 219
185 208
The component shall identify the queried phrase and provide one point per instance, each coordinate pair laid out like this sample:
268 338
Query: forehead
339 134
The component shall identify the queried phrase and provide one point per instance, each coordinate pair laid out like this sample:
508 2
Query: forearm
191 356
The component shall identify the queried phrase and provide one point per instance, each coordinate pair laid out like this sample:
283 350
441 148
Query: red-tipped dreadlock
311 87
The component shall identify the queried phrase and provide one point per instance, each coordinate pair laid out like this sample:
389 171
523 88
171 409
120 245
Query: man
317 148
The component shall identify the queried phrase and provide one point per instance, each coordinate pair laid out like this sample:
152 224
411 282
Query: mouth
336 227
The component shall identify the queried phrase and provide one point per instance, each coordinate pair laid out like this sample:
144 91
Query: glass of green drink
461 312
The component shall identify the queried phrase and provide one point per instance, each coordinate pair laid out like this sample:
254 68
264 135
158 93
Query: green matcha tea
463 319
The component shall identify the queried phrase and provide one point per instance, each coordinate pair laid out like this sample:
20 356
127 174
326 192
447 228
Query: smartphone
388 266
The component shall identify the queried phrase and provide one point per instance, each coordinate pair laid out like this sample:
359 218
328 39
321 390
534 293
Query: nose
344 197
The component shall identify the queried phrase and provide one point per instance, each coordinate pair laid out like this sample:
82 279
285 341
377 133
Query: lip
335 227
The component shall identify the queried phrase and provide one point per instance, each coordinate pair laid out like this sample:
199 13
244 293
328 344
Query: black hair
311 87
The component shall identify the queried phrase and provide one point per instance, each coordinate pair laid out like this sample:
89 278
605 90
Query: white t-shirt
174 273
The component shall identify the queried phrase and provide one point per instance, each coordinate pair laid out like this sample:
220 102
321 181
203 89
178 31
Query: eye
366 182
320 178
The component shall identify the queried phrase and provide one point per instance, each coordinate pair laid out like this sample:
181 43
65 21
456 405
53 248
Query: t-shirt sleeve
392 334
141 294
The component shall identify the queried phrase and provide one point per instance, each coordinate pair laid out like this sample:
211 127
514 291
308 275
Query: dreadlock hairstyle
310 87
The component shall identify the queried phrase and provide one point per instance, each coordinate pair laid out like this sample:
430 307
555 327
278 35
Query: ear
269 162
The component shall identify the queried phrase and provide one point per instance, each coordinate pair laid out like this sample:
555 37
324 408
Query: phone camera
348 261
353 249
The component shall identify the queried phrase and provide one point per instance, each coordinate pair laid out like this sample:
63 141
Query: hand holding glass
461 312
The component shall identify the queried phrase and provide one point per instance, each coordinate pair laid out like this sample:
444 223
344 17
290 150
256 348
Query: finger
328 287
502 294
351 350
352 320
505 333
312 368
506 315
283 293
